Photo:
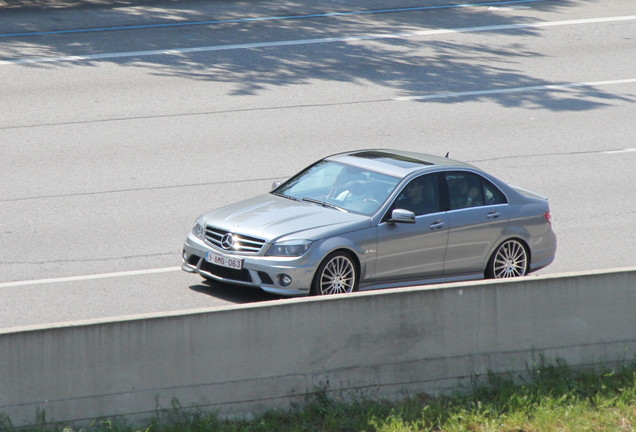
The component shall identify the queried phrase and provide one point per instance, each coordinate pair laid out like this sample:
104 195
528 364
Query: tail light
548 217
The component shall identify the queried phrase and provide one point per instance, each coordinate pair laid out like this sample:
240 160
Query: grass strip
551 397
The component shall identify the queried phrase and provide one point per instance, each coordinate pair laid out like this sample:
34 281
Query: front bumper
264 272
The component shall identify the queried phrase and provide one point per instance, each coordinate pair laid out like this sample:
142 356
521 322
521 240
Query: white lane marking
88 277
629 150
507 8
178 51
516 90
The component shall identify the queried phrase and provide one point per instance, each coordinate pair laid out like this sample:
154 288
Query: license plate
224 261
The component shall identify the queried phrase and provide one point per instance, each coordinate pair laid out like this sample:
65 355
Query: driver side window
421 195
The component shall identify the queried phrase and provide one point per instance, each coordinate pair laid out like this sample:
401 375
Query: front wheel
336 274
509 260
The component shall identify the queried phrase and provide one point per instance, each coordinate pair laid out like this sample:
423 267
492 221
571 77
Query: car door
411 251
478 216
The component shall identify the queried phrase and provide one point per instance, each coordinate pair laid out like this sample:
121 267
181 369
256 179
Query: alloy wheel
510 260
338 276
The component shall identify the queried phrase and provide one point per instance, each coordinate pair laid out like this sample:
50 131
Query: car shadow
234 293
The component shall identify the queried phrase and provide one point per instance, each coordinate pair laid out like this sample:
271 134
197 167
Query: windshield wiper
285 196
324 204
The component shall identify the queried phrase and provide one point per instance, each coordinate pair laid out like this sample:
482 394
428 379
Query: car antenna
447 153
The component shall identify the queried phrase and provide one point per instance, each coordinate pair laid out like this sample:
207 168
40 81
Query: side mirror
402 216
276 184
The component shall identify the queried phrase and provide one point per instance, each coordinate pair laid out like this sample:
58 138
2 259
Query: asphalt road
121 123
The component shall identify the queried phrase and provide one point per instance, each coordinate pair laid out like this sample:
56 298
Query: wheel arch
512 232
342 244
352 255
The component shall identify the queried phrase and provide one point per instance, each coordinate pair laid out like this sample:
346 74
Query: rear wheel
337 274
509 260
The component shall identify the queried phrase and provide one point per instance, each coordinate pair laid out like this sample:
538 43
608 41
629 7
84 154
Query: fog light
184 255
285 280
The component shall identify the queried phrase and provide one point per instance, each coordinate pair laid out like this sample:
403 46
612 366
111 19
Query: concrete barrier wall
249 358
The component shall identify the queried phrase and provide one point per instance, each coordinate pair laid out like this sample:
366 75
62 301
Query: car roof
395 162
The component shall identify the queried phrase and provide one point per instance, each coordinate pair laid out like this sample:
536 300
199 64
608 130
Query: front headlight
289 248
198 231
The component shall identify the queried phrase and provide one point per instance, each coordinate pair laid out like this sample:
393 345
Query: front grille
226 273
241 243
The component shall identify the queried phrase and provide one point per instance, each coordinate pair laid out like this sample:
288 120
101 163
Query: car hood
271 217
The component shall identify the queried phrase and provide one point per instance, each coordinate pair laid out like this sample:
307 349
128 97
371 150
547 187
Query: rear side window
471 190
492 195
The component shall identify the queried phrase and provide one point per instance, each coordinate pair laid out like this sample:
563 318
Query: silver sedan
374 219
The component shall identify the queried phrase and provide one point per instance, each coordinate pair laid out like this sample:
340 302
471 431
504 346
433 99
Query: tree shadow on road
408 66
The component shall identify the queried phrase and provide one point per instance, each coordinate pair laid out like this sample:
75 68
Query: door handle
493 215
437 224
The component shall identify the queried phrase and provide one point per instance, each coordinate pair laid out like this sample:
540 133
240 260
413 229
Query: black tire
337 274
509 260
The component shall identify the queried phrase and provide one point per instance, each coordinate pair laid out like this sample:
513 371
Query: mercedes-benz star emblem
227 241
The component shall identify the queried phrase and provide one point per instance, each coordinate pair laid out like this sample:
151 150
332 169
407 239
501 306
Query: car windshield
339 186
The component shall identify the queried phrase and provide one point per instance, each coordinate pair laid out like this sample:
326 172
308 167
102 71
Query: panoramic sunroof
393 159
